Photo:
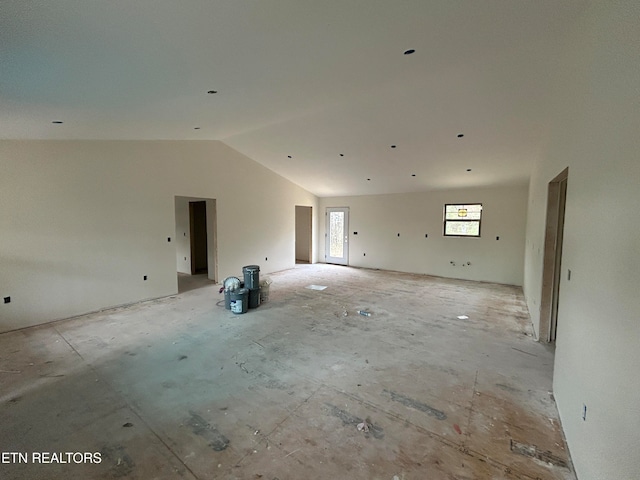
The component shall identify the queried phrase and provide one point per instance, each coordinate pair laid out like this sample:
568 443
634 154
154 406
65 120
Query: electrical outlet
7 299
144 278
584 412
168 239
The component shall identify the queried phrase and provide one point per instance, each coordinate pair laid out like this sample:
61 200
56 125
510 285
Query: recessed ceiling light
211 92
58 122
409 52
460 135
468 169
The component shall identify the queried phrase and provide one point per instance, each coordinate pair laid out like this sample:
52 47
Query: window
462 220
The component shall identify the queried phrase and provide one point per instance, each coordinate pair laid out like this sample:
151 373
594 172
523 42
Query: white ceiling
309 79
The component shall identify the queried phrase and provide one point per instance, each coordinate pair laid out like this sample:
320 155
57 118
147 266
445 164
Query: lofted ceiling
317 91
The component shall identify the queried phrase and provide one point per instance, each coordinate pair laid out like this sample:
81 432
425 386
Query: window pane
462 228
463 212
336 234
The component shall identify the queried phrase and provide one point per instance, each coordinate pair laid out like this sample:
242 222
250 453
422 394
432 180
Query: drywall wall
378 219
84 221
304 232
183 235
595 134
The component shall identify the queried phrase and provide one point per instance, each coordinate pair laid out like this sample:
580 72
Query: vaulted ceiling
322 92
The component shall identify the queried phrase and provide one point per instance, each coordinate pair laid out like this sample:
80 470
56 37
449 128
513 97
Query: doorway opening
304 229
337 236
196 242
198 237
552 261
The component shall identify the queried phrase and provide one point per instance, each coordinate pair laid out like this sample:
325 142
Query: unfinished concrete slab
182 388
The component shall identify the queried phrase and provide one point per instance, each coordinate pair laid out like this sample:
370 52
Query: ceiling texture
320 91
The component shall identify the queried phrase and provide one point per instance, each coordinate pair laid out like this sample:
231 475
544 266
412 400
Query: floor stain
274 384
507 388
121 463
411 403
348 419
201 427
533 452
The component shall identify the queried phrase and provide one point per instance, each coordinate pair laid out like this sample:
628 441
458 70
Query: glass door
337 236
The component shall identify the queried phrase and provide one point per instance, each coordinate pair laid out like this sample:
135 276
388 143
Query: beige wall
379 218
84 221
595 134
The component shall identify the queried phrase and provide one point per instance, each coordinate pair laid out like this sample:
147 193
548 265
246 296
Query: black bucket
254 298
239 300
251 277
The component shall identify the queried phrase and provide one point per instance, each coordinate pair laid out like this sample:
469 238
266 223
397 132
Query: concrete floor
181 388
188 282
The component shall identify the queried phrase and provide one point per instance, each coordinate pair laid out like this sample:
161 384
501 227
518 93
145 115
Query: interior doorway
304 234
552 262
198 237
195 242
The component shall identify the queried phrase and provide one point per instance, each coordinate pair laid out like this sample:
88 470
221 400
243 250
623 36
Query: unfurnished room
357 239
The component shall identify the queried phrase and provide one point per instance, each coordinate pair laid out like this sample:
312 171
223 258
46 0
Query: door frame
183 235
552 260
344 260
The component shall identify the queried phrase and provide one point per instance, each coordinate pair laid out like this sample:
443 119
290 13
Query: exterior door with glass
337 236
